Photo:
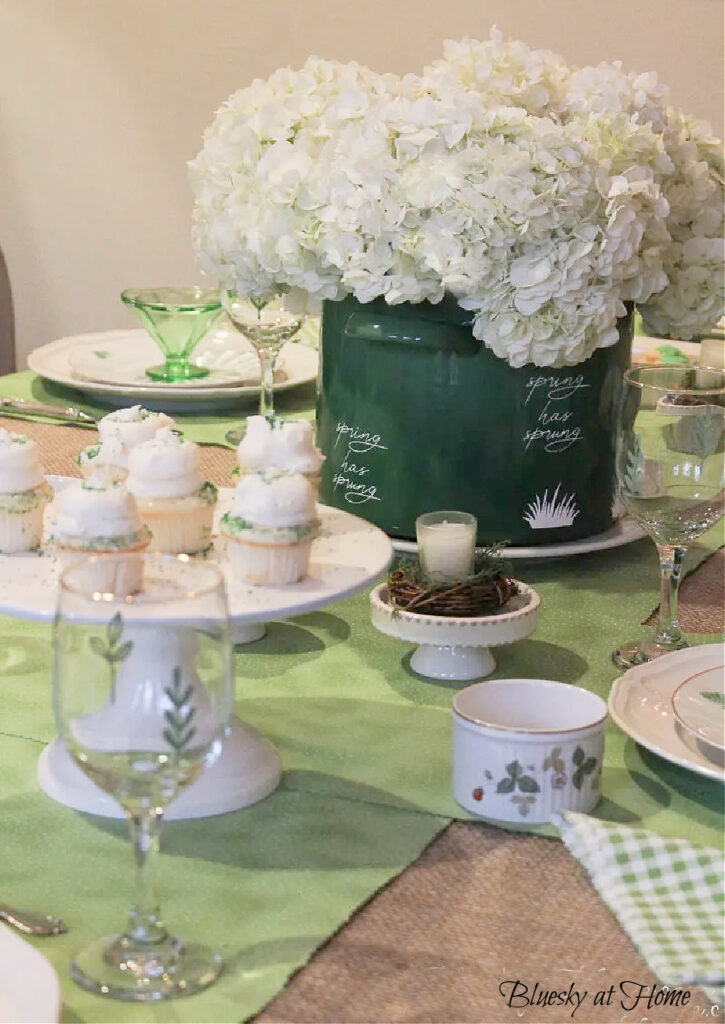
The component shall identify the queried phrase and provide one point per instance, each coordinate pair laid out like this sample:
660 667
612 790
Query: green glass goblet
177 319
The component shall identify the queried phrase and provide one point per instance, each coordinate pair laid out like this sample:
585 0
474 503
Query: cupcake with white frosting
109 457
98 516
273 443
23 494
174 500
118 433
270 527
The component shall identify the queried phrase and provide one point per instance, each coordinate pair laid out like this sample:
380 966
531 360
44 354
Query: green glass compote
177 319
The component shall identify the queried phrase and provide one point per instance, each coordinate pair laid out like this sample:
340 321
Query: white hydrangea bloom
694 296
541 197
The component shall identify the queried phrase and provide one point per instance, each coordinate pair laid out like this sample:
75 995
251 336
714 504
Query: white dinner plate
624 531
348 555
75 362
29 987
640 702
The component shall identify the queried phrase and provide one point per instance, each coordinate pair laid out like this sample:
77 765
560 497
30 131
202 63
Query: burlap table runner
480 909
59 446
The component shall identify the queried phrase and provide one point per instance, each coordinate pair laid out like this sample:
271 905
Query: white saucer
349 555
640 702
29 987
624 531
74 360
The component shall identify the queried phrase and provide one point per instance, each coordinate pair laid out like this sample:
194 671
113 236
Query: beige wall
104 101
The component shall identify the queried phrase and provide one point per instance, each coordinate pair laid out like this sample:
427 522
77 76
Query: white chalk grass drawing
545 513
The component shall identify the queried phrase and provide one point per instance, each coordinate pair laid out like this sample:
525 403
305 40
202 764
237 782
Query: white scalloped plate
29 987
348 555
131 351
640 702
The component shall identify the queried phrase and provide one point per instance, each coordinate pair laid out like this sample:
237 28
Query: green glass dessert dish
177 319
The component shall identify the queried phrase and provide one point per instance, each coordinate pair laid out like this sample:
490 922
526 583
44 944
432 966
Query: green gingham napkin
667 894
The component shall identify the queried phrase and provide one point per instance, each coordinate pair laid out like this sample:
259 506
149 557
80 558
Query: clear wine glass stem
267 361
145 924
671 560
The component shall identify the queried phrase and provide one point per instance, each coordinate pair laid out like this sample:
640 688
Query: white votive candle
446 545
712 353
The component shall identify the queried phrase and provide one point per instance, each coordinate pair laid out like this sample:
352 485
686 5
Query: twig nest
487 590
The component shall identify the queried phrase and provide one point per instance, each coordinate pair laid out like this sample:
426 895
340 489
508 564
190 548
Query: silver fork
31 923
23 407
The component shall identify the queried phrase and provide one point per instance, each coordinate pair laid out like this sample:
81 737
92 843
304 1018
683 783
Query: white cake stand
456 648
347 556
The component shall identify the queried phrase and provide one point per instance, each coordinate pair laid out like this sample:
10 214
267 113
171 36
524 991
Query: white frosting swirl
20 469
110 455
167 466
279 444
94 508
274 500
132 426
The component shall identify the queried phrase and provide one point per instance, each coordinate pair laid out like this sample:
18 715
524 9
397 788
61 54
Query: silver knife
21 407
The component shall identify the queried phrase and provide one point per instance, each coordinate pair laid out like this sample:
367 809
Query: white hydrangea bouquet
541 196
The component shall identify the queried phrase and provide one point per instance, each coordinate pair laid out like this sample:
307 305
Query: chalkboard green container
415 414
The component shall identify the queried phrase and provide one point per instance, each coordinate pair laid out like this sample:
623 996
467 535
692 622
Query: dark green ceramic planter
415 414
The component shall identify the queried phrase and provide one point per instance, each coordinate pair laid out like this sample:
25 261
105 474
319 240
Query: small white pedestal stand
248 769
456 648
348 556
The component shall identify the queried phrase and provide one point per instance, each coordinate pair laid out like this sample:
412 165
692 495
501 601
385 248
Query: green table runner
365 745
352 720
265 886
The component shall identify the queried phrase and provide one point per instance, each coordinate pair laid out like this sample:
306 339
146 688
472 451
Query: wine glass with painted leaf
671 476
142 696
267 323
177 319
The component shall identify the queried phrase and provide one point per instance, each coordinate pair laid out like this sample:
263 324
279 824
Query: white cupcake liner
21 531
268 564
178 526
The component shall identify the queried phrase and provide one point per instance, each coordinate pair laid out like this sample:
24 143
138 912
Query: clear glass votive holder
446 545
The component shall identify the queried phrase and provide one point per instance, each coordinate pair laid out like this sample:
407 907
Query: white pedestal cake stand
347 556
456 648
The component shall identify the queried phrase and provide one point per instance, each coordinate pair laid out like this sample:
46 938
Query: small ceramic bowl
526 748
